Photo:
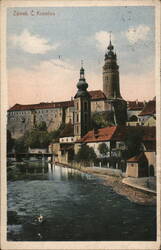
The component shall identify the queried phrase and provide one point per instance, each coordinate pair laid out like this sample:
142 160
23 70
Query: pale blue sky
80 33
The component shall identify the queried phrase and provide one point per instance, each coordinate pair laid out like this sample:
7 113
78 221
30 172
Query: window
85 118
77 118
85 106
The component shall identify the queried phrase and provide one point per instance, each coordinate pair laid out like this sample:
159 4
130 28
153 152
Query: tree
103 148
102 119
38 139
86 154
42 126
55 134
133 142
20 145
10 141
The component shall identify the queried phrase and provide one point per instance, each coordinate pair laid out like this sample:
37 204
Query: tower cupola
110 53
82 85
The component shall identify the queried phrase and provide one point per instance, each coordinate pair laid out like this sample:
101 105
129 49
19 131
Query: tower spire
81 63
110 35
82 71
110 46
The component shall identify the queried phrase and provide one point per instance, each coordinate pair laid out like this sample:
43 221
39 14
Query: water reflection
74 206
46 170
62 173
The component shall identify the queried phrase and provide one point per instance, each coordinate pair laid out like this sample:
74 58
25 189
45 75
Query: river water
75 207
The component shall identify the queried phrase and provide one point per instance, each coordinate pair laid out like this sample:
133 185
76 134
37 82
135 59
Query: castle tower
111 85
82 106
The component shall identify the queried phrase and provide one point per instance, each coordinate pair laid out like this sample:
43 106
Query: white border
74 245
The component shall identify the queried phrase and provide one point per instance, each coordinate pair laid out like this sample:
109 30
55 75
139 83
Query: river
75 207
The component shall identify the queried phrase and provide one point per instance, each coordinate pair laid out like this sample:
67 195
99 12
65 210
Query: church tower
111 85
82 106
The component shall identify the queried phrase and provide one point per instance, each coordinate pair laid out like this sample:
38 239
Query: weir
29 155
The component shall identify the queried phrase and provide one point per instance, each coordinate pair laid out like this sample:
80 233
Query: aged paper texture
80 124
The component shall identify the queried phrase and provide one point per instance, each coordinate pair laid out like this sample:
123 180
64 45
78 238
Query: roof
149 109
148 132
97 95
119 133
135 105
68 131
102 134
42 105
137 158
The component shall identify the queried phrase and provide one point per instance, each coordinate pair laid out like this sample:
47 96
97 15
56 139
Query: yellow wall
132 169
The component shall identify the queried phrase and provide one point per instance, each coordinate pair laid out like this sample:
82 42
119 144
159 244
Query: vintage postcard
80 124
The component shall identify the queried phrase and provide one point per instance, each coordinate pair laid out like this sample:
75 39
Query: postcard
80 124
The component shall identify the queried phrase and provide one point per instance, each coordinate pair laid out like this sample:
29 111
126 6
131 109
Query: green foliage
42 126
133 142
10 141
102 119
38 139
103 148
85 154
20 145
55 134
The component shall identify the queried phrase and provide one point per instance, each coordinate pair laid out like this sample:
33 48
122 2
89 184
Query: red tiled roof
135 105
119 133
68 131
42 105
102 134
137 158
149 132
97 94
149 109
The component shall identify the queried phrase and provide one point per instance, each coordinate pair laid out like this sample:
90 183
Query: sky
45 47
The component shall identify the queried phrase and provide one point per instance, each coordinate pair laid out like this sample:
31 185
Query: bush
86 154
38 139
103 148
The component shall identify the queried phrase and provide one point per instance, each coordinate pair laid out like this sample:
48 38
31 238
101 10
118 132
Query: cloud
33 44
141 87
55 80
138 33
52 80
102 39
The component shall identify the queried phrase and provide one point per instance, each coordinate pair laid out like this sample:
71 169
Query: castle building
78 111
25 117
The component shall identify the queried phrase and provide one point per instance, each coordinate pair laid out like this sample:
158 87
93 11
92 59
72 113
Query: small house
137 166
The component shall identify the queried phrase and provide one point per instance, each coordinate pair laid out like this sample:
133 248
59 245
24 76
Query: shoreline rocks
134 195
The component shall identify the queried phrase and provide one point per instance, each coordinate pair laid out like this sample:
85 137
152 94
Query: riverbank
135 195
